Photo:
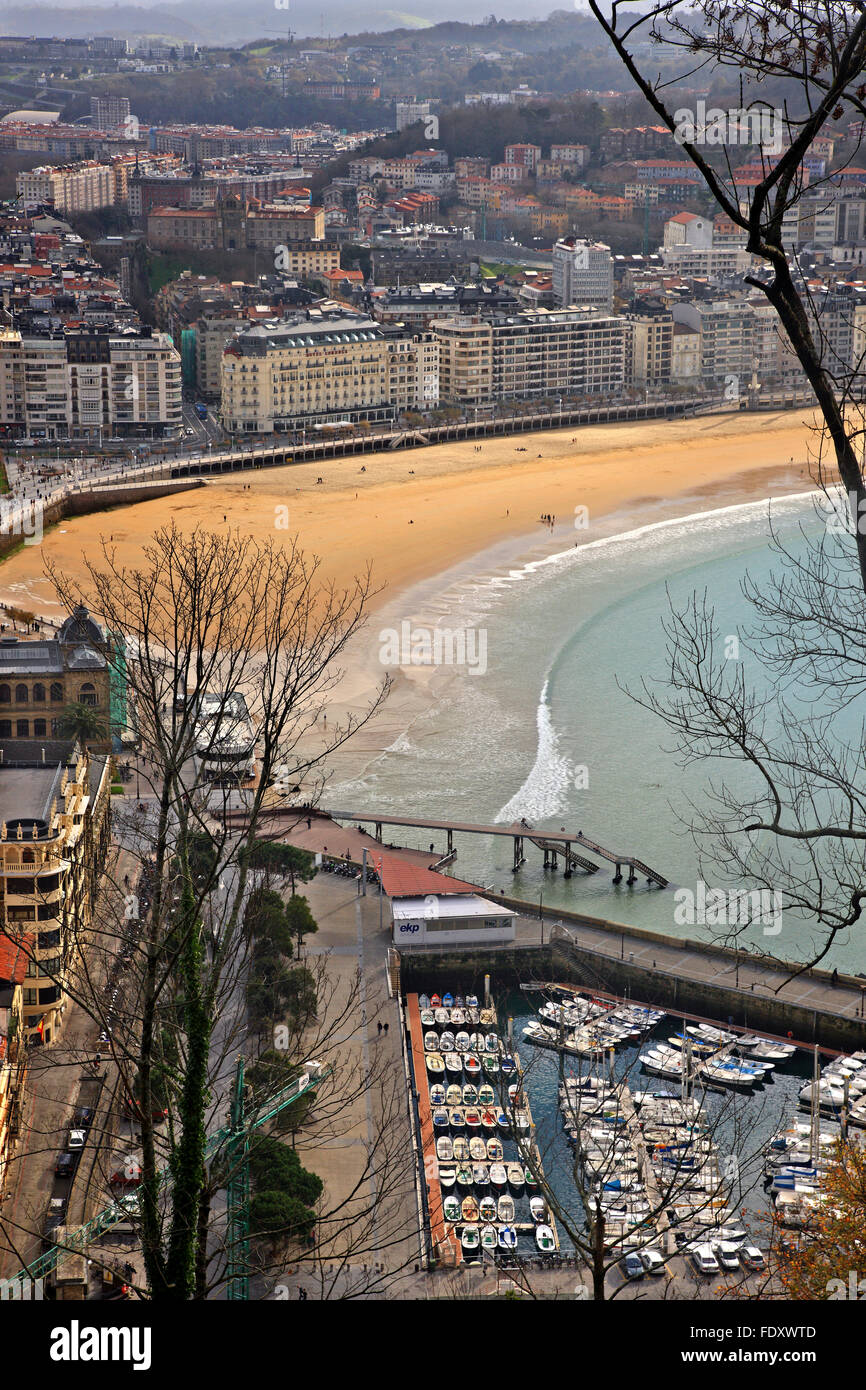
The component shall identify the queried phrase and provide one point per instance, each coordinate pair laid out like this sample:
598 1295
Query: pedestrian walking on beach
834 978
386 1030
379 1026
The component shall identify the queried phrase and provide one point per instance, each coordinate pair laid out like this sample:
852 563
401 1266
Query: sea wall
96 499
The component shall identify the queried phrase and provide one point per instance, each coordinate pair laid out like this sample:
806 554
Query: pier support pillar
567 870
518 853
632 876
378 831
617 878
546 859
450 842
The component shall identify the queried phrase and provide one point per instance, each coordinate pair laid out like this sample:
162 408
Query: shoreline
433 518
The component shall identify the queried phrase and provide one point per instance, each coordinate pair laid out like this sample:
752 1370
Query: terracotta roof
403 880
13 958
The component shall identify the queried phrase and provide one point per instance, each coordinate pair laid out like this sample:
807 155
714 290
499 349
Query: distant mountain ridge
225 24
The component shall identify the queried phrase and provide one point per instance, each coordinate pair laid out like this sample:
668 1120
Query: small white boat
537 1209
452 1062
505 1208
457 1117
495 1152
458 1017
423 1001
544 1240
461 1149
451 1209
440 1117
507 1238
448 999
447 1177
486 1094
446 1042
437 1094
488 1237
431 1041
441 1016
461 1040
469 1240
515 1176
487 1208
454 1095
428 1018
444 1148
480 1175
471 1064
435 1064
491 1042
498 1175
470 1095
477 1149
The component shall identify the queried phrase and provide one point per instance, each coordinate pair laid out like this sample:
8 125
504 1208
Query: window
40 728
56 693
5 695
39 694
88 695
22 728
5 728
21 695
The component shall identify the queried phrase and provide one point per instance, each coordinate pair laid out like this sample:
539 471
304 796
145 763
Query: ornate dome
80 627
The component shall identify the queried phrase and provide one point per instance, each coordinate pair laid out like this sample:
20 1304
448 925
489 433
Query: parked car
83 1117
752 1257
653 1261
727 1255
54 1217
65 1165
77 1139
633 1267
704 1260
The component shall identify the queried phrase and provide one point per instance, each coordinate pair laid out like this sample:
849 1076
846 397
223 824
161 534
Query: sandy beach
414 515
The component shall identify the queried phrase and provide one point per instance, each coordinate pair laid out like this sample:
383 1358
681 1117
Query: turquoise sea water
565 634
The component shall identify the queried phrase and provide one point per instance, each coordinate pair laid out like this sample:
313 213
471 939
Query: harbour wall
563 959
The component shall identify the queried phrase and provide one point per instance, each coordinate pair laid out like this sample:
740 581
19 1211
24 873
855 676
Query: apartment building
14 955
89 385
727 333
534 353
583 273
685 355
54 835
82 187
651 347
323 368
107 112
527 156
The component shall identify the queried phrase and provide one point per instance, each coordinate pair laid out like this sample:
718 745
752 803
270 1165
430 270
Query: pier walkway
551 842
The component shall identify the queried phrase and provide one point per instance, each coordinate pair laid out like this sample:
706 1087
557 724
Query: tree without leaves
217 614
813 57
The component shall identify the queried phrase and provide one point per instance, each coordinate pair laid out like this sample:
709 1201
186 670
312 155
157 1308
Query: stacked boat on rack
480 1186
461 1045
